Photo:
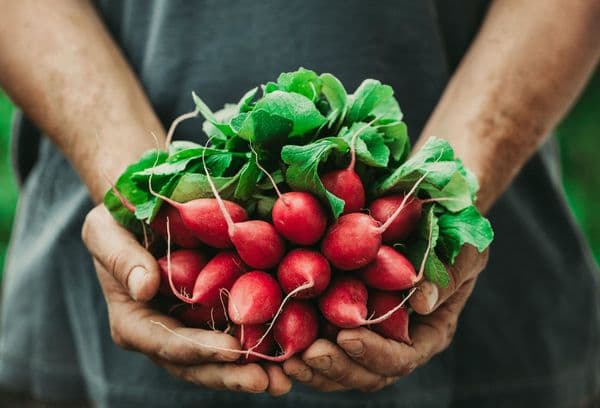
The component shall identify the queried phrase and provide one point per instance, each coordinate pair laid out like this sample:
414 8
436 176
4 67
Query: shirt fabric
529 334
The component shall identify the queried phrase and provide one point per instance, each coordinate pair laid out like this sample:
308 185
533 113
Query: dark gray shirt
529 335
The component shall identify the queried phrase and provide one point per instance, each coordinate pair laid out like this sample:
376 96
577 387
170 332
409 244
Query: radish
396 326
354 240
382 209
389 271
182 236
249 336
303 273
345 183
295 330
201 317
257 242
183 270
344 304
204 219
297 215
220 272
254 298
304 266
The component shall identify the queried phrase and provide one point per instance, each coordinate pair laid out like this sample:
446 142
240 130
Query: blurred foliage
578 135
579 138
8 190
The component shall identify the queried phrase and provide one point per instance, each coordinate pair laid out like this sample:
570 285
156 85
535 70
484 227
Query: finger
136 326
299 371
468 265
329 360
279 383
119 252
246 378
430 335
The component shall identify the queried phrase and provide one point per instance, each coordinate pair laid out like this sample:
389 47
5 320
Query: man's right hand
129 277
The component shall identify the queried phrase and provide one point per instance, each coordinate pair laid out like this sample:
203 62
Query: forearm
522 73
58 63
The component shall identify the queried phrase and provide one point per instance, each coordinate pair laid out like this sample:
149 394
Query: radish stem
398 210
176 122
226 215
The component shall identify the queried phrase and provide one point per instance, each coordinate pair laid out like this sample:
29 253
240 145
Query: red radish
185 265
254 298
182 236
295 330
396 326
299 217
354 240
257 242
201 317
219 273
346 185
382 209
203 217
249 336
344 304
303 273
389 271
302 266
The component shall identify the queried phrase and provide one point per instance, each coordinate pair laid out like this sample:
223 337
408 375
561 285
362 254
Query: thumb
120 253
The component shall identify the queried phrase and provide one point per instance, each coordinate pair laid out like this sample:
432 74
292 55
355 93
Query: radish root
277 359
389 313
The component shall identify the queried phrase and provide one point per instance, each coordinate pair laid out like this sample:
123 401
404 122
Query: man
97 79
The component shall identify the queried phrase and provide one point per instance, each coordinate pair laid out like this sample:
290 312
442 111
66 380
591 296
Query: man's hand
126 271
365 361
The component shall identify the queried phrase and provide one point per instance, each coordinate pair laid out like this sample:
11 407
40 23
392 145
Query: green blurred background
578 135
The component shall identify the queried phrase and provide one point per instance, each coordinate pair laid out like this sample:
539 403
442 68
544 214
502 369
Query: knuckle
232 383
406 369
117 265
450 332
338 376
89 224
118 338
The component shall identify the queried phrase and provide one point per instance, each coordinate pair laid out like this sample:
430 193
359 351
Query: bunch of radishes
279 269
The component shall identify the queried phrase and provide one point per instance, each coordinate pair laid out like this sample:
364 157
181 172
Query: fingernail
135 281
354 347
320 363
432 296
